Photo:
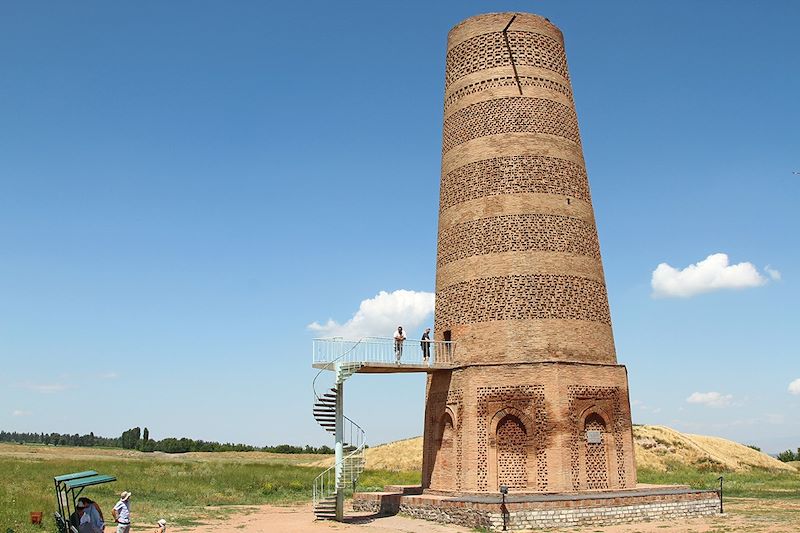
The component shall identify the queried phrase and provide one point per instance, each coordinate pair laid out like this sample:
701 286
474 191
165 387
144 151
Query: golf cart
68 489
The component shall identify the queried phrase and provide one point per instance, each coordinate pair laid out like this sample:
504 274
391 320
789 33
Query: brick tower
537 401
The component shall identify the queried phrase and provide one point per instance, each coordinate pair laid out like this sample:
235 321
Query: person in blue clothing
92 520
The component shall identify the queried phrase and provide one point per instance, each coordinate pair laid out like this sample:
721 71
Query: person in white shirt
122 513
399 337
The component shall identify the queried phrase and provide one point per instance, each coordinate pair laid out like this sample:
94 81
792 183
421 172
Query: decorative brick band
514 204
517 263
508 115
514 174
534 296
489 50
507 81
518 233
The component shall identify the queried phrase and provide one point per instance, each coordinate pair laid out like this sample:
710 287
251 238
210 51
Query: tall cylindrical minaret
519 276
536 400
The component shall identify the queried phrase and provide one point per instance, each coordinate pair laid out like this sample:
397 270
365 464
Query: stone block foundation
533 511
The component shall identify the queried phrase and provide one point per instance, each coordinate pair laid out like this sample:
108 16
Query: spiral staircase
343 358
330 485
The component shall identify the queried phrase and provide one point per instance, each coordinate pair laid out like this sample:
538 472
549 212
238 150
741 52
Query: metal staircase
344 358
330 485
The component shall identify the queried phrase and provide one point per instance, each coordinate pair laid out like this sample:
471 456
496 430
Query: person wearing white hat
122 513
162 526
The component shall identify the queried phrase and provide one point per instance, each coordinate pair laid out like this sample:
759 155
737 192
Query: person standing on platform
425 344
399 337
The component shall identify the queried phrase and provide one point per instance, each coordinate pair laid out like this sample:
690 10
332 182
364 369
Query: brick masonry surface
535 515
514 182
532 415
519 283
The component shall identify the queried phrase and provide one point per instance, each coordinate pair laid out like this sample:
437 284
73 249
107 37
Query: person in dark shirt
425 344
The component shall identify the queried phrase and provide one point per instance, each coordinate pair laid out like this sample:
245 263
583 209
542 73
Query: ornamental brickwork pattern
512 453
581 394
596 467
518 233
522 297
506 81
527 399
513 175
516 114
489 50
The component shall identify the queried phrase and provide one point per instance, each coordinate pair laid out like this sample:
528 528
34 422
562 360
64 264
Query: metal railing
326 485
383 350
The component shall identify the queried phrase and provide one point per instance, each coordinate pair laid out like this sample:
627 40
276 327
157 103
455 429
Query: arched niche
444 474
512 450
596 445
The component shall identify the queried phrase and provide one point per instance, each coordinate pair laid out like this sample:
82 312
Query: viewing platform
379 355
343 358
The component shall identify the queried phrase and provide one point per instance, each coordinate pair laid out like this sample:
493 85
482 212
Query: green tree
788 456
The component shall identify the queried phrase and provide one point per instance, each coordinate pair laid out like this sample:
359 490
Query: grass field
177 488
761 484
187 488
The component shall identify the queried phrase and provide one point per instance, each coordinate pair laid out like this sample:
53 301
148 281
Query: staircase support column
339 435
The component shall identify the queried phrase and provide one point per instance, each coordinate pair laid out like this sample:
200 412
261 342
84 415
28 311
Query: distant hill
656 447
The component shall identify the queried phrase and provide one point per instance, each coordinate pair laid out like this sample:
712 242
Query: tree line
788 455
136 439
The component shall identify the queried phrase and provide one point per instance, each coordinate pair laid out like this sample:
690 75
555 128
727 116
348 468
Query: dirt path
742 516
300 519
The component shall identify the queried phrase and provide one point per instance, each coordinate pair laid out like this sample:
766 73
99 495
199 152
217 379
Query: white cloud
20 412
380 316
710 399
46 388
711 274
774 274
794 387
109 375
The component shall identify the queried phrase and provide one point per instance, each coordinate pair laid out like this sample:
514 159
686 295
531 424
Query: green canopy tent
68 488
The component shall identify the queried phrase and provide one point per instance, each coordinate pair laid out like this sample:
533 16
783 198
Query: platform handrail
382 350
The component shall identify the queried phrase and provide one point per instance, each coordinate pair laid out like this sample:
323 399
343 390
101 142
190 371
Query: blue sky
186 186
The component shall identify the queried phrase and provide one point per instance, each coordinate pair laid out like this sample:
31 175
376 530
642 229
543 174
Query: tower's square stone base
527 426
533 511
